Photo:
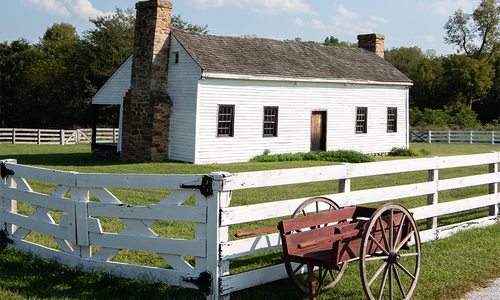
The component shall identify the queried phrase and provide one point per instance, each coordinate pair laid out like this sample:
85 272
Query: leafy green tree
466 118
110 43
477 34
467 79
179 23
16 59
426 73
333 41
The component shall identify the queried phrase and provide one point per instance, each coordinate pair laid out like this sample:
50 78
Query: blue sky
404 22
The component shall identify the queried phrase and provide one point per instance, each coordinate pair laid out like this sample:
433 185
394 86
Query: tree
476 34
16 59
426 73
110 43
466 79
408 60
179 23
335 42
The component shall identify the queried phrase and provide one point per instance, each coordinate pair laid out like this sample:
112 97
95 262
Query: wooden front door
318 131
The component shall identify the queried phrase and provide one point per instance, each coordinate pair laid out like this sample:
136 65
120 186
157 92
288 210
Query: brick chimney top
154 3
372 42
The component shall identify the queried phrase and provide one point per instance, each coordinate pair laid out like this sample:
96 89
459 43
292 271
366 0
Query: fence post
493 187
39 139
81 198
433 199
429 136
470 139
217 234
114 135
493 137
77 136
449 136
62 137
9 205
13 135
345 184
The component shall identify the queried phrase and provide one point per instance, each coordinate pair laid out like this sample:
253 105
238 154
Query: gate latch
4 239
204 282
205 187
4 172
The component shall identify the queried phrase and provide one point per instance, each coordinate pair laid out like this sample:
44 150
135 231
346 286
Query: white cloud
299 22
426 38
82 9
265 7
344 12
55 7
448 7
206 3
346 22
377 19
318 25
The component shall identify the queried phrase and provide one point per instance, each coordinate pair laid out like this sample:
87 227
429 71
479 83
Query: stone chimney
146 106
372 42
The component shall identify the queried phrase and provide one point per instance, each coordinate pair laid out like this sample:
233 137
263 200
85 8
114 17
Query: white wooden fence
56 136
79 227
456 137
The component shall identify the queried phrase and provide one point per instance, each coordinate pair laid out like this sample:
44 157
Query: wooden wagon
321 238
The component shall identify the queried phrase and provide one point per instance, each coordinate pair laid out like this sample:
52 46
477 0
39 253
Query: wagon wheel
390 258
298 272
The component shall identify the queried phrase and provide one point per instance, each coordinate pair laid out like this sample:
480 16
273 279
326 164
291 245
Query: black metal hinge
205 187
204 282
4 239
4 172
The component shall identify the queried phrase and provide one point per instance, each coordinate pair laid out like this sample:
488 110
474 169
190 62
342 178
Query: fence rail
80 225
56 136
456 137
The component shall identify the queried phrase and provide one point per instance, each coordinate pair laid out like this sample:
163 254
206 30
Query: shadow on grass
33 278
61 159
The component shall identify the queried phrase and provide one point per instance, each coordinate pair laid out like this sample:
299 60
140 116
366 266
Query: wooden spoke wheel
325 278
390 254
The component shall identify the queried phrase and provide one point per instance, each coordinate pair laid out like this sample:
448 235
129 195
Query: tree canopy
50 84
476 34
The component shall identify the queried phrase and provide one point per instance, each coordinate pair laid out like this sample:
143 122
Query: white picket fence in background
80 228
56 136
456 137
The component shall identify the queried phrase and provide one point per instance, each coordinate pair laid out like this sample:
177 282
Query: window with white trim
270 121
392 119
225 122
361 119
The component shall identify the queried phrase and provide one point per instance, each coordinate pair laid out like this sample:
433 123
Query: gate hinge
4 239
204 282
4 172
205 187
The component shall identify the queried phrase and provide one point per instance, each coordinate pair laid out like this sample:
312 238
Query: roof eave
218 75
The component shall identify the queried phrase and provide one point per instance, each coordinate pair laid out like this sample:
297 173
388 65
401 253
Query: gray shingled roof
266 57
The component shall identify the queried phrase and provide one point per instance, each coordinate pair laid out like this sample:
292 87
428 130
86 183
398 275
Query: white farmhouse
212 99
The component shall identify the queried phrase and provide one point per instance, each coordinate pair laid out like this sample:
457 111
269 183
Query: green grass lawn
450 267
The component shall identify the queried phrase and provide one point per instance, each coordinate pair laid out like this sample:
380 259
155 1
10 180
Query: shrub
402 152
338 156
466 118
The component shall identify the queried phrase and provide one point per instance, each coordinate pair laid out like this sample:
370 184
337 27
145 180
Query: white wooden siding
182 89
116 87
296 101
